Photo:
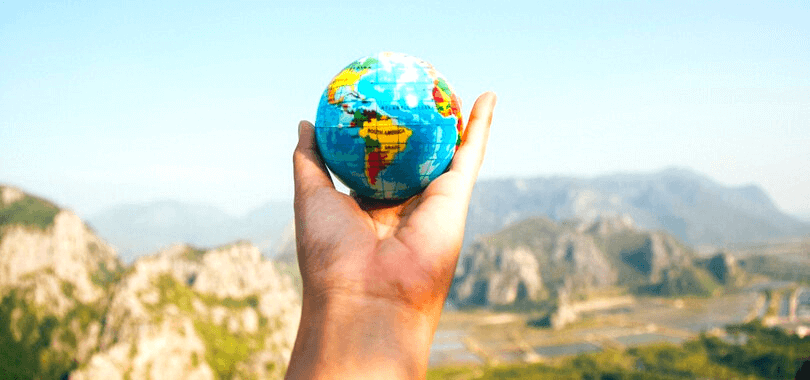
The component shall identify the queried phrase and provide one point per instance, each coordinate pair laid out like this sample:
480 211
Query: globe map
387 125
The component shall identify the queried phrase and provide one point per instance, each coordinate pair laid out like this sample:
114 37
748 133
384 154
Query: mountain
223 313
688 205
138 229
803 216
70 309
538 259
55 279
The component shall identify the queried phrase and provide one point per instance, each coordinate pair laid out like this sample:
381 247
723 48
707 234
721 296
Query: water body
647 338
448 347
566 349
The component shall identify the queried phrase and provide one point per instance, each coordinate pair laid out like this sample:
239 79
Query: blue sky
103 103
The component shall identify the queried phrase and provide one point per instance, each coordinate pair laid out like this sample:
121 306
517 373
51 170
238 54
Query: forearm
361 338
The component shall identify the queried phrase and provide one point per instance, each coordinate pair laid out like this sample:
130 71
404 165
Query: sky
108 103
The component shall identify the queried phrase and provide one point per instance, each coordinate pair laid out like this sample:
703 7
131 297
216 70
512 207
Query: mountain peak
19 208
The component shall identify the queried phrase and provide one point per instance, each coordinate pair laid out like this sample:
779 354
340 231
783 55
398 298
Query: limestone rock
54 279
67 248
189 313
534 259
500 277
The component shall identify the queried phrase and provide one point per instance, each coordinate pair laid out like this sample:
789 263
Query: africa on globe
388 125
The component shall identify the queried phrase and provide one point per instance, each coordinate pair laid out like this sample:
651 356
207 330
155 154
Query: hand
376 274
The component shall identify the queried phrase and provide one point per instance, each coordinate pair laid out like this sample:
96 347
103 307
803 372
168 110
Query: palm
402 252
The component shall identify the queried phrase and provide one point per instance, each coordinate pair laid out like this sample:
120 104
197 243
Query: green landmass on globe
388 125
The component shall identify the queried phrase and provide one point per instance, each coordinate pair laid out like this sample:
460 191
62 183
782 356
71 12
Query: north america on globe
387 125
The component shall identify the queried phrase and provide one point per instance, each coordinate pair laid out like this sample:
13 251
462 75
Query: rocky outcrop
656 253
724 268
68 309
54 279
67 249
540 260
606 226
500 277
187 313
530 258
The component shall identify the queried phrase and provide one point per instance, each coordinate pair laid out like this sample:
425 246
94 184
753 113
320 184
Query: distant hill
803 216
537 259
688 205
138 229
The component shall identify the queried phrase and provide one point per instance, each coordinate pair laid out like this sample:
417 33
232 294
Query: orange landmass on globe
447 105
384 140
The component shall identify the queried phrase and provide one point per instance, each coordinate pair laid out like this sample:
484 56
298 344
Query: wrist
355 336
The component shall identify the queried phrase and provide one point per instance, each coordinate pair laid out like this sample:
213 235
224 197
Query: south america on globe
387 125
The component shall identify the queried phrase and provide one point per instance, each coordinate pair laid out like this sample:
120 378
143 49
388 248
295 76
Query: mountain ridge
136 229
688 204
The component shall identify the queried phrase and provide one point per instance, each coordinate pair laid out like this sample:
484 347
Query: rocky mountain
538 259
70 309
138 229
187 313
688 205
55 276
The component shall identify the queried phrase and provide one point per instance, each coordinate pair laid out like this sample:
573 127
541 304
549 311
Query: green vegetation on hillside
29 211
37 345
622 245
224 350
769 353
24 342
777 268
688 281
193 254
531 232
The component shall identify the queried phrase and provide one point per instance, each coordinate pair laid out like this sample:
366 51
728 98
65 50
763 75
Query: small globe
388 125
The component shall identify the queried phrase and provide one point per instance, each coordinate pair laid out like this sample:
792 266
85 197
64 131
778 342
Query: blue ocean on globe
387 125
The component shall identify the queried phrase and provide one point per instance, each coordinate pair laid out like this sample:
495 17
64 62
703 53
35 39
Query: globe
387 125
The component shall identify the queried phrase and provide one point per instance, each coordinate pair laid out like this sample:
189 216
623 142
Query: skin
376 274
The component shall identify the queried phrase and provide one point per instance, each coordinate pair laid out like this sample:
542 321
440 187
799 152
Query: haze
102 104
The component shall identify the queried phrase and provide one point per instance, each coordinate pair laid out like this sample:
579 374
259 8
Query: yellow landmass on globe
348 77
384 140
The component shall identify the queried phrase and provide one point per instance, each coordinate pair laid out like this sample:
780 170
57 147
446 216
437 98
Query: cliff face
54 276
69 309
188 313
537 258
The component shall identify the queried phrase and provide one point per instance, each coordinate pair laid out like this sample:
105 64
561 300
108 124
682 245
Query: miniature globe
388 125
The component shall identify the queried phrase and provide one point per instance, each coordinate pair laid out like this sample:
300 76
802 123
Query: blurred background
645 182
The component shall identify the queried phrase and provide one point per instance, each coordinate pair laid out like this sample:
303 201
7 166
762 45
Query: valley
491 337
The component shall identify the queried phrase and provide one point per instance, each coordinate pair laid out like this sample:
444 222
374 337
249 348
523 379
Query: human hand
376 274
